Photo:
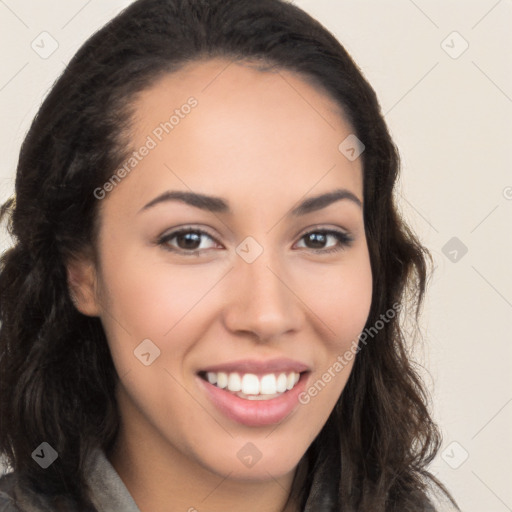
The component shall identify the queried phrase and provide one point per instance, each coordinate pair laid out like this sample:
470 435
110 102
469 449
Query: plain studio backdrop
442 72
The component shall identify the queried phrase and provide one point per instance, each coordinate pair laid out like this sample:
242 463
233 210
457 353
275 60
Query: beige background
451 115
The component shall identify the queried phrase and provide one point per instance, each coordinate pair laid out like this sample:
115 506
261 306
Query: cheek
343 303
347 302
149 299
341 297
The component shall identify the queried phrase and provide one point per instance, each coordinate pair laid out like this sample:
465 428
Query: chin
256 460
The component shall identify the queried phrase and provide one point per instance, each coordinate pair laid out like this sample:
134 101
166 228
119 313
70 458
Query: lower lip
255 413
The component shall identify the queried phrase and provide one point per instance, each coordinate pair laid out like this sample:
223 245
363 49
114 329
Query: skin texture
263 142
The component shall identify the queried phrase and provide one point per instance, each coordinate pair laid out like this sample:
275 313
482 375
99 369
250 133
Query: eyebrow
219 205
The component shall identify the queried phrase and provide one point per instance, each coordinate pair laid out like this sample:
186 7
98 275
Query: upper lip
258 366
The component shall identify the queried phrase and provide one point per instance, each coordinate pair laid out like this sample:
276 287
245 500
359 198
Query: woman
201 307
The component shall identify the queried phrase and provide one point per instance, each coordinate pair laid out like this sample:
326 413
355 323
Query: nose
262 301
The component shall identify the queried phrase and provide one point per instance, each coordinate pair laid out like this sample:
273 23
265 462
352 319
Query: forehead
255 129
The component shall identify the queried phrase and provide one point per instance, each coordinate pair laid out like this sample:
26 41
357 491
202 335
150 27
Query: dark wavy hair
57 381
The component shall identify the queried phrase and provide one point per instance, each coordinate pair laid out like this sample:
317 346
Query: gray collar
109 494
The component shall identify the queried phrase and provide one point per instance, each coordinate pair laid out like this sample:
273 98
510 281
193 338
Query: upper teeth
251 384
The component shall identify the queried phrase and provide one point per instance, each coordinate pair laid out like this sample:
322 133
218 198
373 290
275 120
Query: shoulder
7 499
14 497
439 500
7 505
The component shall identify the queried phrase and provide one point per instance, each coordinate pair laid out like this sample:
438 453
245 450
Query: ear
82 285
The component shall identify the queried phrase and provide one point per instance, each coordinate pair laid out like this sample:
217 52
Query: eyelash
344 240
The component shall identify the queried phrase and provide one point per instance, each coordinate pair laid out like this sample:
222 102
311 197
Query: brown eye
326 240
187 241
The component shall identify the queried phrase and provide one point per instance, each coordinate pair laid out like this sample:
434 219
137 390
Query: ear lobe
82 287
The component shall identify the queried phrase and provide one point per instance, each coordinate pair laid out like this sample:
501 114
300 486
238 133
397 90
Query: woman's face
232 250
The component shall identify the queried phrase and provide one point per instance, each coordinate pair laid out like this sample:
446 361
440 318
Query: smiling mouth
250 386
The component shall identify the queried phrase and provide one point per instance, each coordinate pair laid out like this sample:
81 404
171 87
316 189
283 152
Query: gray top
111 495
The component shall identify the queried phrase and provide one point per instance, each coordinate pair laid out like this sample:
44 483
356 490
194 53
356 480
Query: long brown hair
58 379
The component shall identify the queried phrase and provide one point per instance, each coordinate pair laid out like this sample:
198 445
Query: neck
160 478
